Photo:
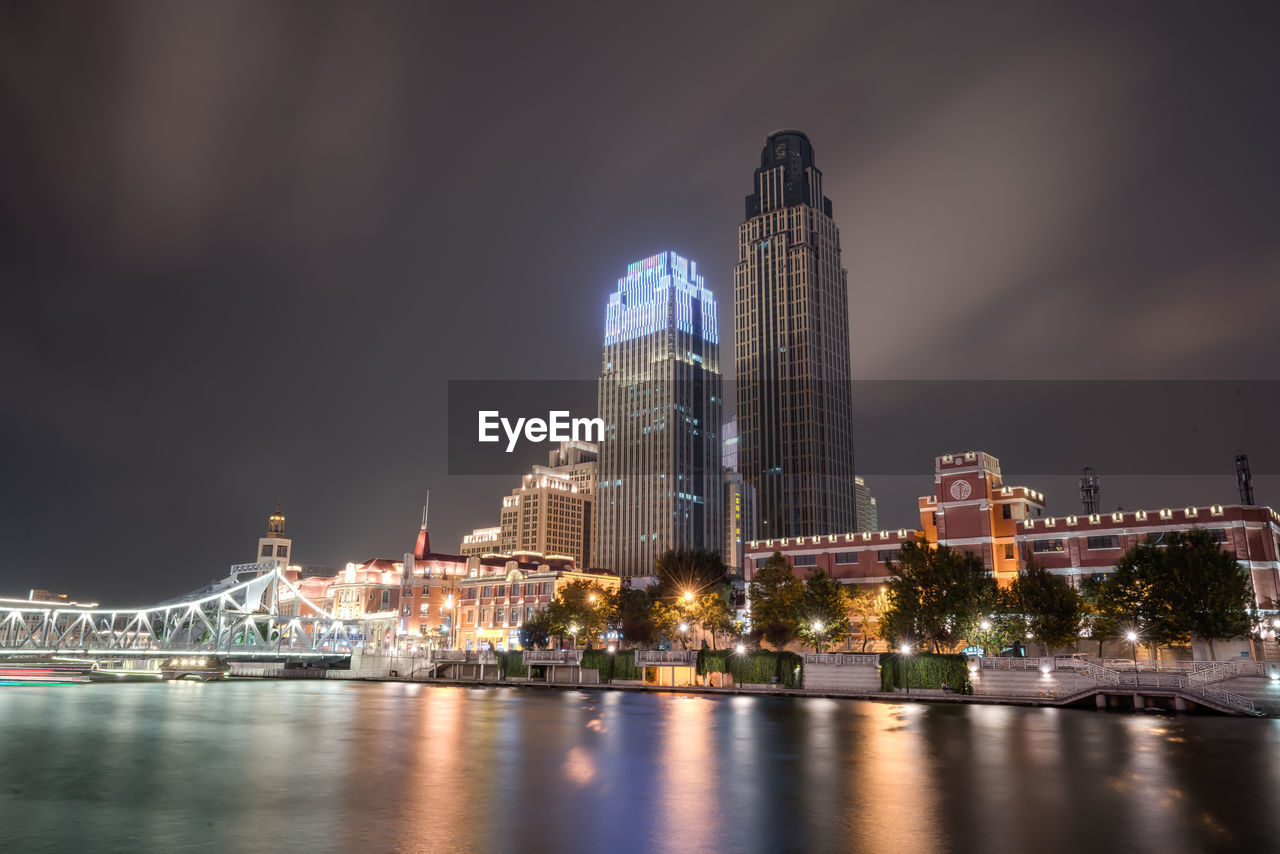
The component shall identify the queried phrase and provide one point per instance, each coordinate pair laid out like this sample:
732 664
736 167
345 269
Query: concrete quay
1021 682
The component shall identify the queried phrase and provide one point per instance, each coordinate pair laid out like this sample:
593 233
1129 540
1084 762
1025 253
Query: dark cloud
244 247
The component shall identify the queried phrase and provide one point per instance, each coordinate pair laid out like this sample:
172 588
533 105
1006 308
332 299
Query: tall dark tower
791 315
1089 492
1244 479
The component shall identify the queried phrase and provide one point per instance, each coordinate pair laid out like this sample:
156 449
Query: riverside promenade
1231 687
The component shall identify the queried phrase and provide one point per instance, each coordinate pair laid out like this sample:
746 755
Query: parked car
1073 661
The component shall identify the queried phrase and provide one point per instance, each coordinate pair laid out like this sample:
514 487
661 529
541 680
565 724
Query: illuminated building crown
660 291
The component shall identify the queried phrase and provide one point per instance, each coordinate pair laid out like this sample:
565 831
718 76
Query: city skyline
230 295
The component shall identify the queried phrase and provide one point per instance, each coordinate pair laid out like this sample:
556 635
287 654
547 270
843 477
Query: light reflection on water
315 766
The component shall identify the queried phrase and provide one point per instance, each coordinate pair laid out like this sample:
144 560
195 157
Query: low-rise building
973 510
1086 545
498 595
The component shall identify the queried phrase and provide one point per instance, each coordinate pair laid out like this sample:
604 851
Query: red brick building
1086 545
973 510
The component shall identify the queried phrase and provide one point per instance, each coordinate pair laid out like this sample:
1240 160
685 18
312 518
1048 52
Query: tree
863 608
824 611
1209 593
634 617
580 609
667 619
713 615
938 595
1050 606
775 600
1116 602
682 571
1169 592
535 632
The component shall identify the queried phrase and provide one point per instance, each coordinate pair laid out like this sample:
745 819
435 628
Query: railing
1173 681
1042 690
841 658
991 663
665 656
1226 698
1099 674
477 656
553 656
1213 673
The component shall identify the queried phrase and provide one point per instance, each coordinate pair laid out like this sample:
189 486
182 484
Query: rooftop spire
422 548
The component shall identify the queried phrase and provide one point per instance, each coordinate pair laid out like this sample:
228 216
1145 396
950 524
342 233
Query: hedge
611 665
512 664
756 667
924 670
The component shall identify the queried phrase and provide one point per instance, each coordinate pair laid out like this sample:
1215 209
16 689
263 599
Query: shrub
924 670
512 664
757 667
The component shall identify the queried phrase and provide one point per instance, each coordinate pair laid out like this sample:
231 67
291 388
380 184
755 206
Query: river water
372 767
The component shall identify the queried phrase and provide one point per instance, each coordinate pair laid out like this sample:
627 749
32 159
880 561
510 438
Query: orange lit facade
429 595
502 594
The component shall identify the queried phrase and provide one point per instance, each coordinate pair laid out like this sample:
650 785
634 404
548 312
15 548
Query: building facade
738 508
791 322
660 400
868 510
497 596
547 516
482 541
1089 544
973 510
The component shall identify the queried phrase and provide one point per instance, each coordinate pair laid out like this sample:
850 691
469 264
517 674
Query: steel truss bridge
233 620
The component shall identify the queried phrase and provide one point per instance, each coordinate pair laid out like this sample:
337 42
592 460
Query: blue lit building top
654 289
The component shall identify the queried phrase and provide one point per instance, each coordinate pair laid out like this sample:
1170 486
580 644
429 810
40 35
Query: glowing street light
740 649
905 650
985 625
1132 637
688 596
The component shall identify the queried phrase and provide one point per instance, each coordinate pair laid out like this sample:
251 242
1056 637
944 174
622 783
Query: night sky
244 247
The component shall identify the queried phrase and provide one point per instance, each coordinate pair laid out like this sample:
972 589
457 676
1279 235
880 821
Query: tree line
1160 593
938 599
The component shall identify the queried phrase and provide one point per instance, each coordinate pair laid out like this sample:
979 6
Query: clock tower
275 547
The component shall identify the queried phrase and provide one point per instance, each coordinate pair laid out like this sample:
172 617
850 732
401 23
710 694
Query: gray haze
243 247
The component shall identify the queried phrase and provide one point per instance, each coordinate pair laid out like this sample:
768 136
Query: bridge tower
275 547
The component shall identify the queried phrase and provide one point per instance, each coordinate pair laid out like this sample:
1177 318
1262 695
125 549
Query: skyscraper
659 396
791 318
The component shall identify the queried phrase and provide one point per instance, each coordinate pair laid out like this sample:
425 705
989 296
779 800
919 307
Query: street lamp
817 635
1132 637
905 649
573 633
740 649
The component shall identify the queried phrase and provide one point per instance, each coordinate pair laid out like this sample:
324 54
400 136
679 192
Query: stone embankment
1226 687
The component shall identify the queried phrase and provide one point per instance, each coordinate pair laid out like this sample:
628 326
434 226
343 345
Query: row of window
845 558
